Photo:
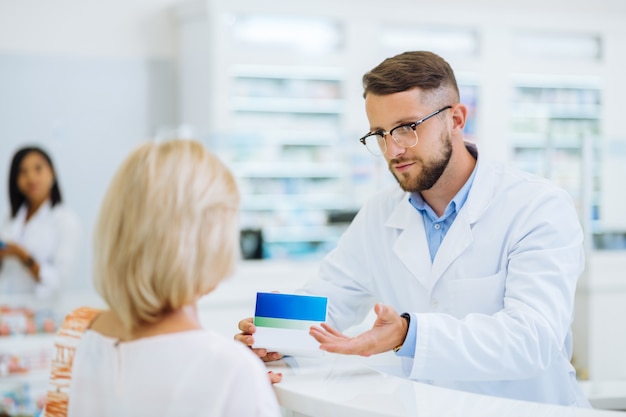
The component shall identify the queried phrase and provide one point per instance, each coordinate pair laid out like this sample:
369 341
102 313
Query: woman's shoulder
62 209
218 350
64 215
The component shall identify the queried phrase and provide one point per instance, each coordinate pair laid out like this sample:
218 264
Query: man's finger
320 335
346 347
333 331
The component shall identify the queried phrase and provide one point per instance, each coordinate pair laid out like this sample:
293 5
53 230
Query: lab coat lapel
411 246
459 237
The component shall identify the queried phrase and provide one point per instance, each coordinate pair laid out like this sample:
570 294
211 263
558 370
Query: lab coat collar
482 190
477 200
20 223
411 246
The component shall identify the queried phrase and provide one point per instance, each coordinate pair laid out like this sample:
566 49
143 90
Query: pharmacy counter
350 386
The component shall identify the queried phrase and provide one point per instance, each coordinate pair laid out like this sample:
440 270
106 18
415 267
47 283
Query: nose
393 149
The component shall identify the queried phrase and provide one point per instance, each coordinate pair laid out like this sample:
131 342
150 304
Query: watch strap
407 317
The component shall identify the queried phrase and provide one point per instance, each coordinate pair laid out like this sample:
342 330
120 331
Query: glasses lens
375 144
405 136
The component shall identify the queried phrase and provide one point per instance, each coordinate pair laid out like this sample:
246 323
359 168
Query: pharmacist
39 240
482 260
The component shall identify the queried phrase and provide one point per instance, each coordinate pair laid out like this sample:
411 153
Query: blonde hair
167 231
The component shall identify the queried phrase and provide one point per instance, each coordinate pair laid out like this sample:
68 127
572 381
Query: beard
431 170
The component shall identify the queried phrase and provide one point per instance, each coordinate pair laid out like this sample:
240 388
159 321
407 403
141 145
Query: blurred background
274 88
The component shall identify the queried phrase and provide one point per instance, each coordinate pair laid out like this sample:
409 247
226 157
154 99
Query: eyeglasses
404 135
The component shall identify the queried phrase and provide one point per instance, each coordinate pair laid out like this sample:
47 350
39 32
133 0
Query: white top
193 373
51 238
494 308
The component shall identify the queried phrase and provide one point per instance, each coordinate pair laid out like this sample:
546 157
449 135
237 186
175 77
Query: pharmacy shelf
278 202
314 233
15 344
552 118
289 170
287 105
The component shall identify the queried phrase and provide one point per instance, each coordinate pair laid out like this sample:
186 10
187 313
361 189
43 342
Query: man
482 259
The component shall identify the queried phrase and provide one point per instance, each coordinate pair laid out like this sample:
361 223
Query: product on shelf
22 320
21 400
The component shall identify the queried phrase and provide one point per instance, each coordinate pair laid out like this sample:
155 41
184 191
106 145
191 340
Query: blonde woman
166 235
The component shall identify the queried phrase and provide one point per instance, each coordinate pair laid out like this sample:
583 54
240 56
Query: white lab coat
494 307
51 238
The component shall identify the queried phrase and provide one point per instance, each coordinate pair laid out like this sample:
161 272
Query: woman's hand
12 249
15 250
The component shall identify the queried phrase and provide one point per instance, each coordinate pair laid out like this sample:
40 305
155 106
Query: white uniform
51 238
494 307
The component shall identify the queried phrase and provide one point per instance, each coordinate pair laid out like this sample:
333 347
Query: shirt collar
453 206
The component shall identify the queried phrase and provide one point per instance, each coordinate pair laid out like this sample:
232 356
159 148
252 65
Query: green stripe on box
284 323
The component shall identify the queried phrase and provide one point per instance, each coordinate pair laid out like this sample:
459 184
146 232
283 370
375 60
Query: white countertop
350 386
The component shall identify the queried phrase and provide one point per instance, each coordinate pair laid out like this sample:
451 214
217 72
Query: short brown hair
406 71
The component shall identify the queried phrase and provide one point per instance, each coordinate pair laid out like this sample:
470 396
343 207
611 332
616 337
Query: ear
459 116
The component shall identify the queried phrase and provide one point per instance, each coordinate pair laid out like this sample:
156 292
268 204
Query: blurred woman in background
39 241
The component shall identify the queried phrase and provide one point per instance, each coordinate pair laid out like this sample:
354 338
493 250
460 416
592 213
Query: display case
287 151
555 133
26 349
284 110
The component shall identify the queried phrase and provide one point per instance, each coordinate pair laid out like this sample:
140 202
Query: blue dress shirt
436 229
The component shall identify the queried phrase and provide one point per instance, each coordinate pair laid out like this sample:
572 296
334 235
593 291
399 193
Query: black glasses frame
412 125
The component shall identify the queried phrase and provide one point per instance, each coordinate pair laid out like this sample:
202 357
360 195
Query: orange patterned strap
66 340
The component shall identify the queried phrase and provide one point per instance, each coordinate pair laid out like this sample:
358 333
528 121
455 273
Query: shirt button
437 226
434 303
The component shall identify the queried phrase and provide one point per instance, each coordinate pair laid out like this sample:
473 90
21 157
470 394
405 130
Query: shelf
290 170
40 375
20 343
541 142
296 234
283 72
276 202
554 82
294 137
530 110
287 105
551 120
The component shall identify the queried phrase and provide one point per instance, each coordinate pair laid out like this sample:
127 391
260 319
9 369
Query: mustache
398 161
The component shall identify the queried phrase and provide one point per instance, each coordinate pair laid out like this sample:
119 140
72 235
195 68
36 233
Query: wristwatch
407 317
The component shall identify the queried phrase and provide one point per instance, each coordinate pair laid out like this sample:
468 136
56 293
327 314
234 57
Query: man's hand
389 331
247 330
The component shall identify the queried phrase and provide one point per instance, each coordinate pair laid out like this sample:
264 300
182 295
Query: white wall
87 81
135 28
